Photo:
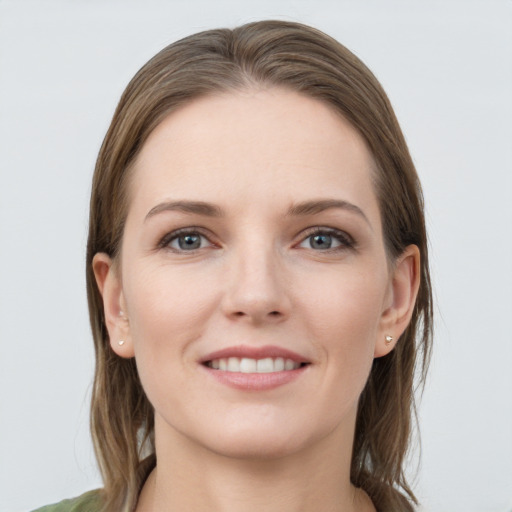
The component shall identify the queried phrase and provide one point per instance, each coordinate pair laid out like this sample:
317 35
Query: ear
400 305
111 289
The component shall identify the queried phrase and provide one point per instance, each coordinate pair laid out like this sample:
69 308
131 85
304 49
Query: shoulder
88 502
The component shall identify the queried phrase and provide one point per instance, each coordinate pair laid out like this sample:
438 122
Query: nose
256 288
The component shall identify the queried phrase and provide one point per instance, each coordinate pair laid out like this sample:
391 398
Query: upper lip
254 353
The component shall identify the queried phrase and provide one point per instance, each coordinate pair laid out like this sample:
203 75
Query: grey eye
188 242
320 241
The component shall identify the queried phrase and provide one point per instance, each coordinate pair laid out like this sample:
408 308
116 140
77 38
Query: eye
185 240
323 239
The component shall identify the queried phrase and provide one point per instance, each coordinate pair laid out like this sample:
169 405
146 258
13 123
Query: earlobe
110 287
404 290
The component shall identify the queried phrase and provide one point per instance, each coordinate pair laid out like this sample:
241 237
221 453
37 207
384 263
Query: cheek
342 318
345 305
166 311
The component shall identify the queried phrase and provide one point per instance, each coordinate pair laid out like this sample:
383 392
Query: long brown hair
300 58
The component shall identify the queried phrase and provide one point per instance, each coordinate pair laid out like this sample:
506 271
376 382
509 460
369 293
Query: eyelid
165 241
345 239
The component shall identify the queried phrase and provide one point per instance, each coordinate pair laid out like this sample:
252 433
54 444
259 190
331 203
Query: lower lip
255 381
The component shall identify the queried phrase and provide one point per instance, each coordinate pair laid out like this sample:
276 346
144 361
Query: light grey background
447 67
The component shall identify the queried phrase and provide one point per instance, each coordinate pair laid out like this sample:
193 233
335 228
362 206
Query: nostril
275 313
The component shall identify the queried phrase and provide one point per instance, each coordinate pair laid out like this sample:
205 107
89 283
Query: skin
256 279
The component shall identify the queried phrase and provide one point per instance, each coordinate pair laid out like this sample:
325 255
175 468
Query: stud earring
389 339
120 342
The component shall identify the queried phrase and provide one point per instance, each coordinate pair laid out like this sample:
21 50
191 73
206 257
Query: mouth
255 368
250 365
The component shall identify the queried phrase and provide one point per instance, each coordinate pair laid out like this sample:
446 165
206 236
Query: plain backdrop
447 67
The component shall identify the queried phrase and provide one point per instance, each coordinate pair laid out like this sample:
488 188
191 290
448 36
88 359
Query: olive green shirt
88 502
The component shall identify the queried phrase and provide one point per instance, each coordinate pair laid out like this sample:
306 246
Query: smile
249 365
251 368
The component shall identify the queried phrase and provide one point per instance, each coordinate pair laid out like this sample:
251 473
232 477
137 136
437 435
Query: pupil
321 242
189 242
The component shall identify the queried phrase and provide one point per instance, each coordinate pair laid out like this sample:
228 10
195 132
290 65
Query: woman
258 282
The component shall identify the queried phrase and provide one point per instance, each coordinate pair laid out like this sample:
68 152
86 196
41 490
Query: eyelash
175 235
346 242
344 239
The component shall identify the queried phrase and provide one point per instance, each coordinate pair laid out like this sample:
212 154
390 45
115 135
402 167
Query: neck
190 477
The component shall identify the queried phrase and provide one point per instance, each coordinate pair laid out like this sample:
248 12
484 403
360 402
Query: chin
251 446
261 438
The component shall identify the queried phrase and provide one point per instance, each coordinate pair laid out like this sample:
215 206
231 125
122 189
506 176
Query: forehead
253 144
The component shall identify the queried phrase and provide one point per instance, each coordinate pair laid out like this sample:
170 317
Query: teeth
278 364
233 364
289 364
265 365
247 365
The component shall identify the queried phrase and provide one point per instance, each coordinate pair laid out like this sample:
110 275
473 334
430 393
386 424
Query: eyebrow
196 207
304 208
318 206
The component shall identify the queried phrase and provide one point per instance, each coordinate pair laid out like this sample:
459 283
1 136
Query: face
253 280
